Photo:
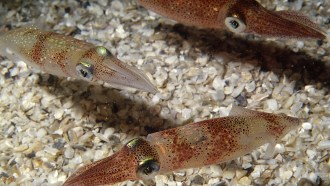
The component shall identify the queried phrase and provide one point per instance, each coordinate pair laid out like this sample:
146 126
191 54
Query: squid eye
102 51
85 70
148 168
235 25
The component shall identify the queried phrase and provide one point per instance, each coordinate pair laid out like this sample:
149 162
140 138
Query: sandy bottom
50 126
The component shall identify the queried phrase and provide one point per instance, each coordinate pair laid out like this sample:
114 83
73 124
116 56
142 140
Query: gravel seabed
50 126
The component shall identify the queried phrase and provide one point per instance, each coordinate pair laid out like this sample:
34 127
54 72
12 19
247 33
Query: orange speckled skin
219 140
59 55
193 145
203 13
258 20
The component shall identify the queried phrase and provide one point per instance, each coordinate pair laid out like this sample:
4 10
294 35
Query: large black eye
235 25
85 70
148 168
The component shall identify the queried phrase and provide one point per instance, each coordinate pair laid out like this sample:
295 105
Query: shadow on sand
270 56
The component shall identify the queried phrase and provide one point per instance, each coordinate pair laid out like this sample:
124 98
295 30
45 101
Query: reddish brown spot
276 130
274 127
180 148
223 134
88 53
38 48
60 58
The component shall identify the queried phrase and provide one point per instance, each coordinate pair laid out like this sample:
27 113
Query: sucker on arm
66 56
189 146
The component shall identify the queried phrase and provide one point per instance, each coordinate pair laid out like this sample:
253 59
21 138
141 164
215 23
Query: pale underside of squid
239 16
66 56
189 146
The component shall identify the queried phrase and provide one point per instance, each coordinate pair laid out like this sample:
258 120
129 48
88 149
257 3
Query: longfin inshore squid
238 16
189 146
66 56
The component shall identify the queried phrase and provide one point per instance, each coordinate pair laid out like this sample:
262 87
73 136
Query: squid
193 145
238 16
66 56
